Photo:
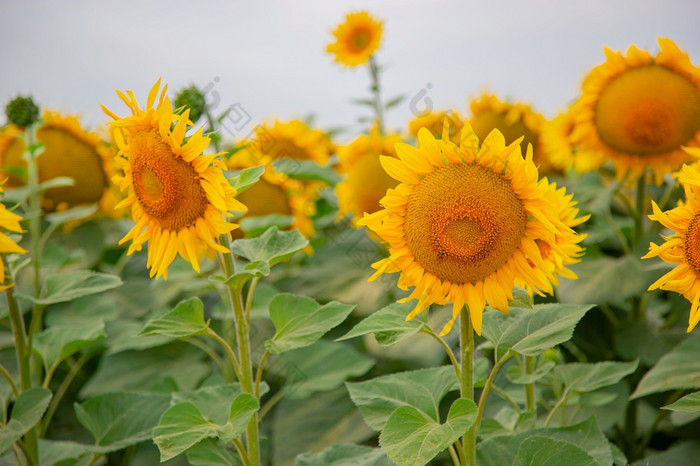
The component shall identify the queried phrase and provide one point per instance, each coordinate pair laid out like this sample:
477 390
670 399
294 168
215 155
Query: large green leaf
389 324
683 453
411 438
210 452
245 178
322 366
55 452
72 285
117 420
182 425
58 342
185 320
679 369
272 247
214 401
688 404
531 332
345 455
535 451
300 321
422 389
28 409
586 377
307 170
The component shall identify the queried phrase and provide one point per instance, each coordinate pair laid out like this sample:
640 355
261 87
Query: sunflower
434 122
293 139
513 120
683 247
8 221
637 111
179 197
365 182
556 143
465 222
356 39
69 151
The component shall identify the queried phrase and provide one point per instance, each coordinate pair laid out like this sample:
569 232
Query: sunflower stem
376 93
530 387
466 382
639 211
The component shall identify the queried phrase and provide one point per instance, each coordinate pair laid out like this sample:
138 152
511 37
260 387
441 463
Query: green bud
191 98
22 111
552 355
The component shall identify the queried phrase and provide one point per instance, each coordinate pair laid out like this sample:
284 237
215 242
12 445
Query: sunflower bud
22 111
192 98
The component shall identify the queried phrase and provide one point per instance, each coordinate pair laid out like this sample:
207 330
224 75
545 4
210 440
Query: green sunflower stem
639 211
530 387
466 381
376 93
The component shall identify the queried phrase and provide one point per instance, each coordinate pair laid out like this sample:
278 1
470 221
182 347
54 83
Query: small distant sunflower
513 120
70 151
356 39
434 122
8 221
637 111
465 222
365 182
178 195
556 142
292 139
683 247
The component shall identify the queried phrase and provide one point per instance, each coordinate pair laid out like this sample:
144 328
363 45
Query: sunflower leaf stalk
466 382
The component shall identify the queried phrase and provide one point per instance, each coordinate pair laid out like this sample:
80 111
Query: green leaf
28 409
272 247
682 453
411 438
320 367
245 178
185 320
58 182
516 374
76 213
182 425
679 369
72 285
214 401
586 377
54 452
210 452
538 450
300 321
256 225
422 389
395 101
389 324
238 279
58 342
345 455
688 404
117 420
531 332
307 170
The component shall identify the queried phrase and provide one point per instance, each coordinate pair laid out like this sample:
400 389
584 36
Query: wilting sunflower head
434 121
556 143
365 182
465 222
356 39
637 111
293 139
8 222
683 247
179 197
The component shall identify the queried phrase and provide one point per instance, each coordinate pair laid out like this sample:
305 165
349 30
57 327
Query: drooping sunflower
434 122
8 221
556 143
637 111
69 151
465 222
179 197
683 247
356 39
365 182
293 139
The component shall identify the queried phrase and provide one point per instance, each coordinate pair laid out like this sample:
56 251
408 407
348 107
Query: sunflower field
480 286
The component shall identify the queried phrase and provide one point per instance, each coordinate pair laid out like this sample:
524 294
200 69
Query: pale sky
268 56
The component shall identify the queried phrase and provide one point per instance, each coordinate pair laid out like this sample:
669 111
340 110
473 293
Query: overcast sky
268 56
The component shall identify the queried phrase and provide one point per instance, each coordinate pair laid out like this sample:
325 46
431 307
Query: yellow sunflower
637 111
293 139
179 197
356 39
8 221
70 151
683 247
365 182
556 143
465 222
434 122
513 120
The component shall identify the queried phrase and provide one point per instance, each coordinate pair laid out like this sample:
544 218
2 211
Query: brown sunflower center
167 187
648 111
691 244
463 222
369 183
360 40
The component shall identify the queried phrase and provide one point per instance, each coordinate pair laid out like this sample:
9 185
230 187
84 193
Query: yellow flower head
556 143
178 196
434 121
365 182
466 222
356 39
292 139
637 111
8 221
683 247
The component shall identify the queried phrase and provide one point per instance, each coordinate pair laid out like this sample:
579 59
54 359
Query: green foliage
59 342
28 410
389 324
544 450
679 369
271 247
587 377
343 455
185 320
688 404
307 170
73 285
245 178
259 224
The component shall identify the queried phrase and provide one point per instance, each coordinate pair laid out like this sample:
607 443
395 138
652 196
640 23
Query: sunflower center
691 244
360 40
463 222
648 111
167 187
